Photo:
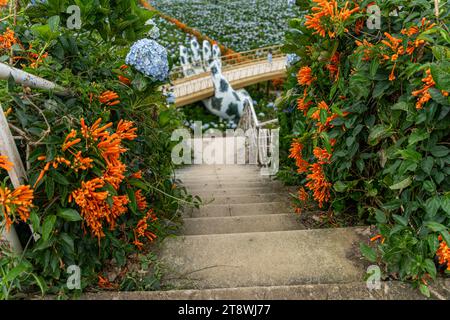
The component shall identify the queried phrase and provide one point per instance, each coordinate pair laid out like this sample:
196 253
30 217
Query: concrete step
247 209
213 185
217 192
389 290
229 179
263 259
242 224
243 199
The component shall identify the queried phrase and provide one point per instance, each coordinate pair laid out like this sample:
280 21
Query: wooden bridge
241 69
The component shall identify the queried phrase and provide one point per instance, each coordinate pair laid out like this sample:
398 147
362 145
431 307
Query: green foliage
390 161
87 62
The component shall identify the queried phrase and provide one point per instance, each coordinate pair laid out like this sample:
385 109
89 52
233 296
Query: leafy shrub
368 137
97 157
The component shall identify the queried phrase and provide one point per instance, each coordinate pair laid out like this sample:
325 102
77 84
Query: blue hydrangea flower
150 58
292 59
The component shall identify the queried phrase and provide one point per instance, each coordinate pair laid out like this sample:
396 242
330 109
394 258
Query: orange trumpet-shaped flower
140 200
318 184
305 77
443 253
141 229
19 201
7 39
423 94
325 13
109 98
322 155
5 163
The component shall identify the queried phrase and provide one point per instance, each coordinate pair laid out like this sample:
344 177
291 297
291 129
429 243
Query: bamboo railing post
17 173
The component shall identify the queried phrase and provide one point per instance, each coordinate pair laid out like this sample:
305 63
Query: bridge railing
260 137
235 60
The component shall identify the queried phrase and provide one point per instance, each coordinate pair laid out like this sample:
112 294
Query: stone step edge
239 217
327 291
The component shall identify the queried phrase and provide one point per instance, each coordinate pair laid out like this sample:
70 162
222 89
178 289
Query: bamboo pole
436 8
17 173
28 80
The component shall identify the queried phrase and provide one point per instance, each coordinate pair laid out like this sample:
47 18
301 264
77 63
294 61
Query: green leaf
138 183
430 267
59 178
340 186
69 214
368 252
401 220
402 184
434 226
53 22
429 186
323 116
47 226
378 133
410 154
424 290
427 165
440 74
380 216
432 206
16 271
440 151
418 135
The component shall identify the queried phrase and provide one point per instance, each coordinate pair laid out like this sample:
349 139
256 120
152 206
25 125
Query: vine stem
170 196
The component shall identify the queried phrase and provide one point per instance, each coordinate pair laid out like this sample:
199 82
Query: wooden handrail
236 59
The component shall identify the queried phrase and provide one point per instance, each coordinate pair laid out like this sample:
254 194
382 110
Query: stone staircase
246 243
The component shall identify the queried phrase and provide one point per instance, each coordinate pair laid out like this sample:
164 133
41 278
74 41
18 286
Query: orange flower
19 201
81 163
322 155
305 77
296 153
326 13
140 200
302 194
110 98
3 3
443 253
7 39
318 184
302 105
378 236
67 144
125 130
104 283
366 48
136 175
92 203
141 229
124 80
333 66
423 94
5 163
94 132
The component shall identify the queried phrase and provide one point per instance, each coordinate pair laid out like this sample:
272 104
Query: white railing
259 137
202 81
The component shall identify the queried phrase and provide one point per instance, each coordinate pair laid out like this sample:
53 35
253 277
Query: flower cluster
5 163
98 206
7 39
141 230
443 253
110 98
149 58
14 202
326 15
